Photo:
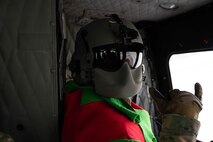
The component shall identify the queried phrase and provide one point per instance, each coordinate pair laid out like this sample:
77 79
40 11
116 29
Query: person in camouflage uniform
107 70
180 114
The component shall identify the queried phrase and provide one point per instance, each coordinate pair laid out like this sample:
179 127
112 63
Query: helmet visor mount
111 57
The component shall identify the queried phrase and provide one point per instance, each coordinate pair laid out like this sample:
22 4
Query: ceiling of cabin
83 11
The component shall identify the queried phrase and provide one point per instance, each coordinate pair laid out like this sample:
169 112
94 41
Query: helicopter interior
37 41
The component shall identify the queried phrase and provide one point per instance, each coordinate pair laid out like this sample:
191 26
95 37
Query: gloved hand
5 138
180 102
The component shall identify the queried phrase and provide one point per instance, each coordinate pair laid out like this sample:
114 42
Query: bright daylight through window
187 69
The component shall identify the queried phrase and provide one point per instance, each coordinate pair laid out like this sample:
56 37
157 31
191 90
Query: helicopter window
188 68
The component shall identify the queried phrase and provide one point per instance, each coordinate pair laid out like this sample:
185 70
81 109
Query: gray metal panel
28 70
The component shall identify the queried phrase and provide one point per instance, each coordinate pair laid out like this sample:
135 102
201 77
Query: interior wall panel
28 70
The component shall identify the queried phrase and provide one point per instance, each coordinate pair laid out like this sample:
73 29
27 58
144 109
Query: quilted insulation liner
82 12
28 85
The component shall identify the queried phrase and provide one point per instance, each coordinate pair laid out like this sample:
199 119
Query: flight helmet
108 55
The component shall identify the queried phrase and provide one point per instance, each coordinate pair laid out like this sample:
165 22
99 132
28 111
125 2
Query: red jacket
90 118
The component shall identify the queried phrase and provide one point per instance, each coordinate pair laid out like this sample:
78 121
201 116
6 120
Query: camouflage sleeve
5 138
177 128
